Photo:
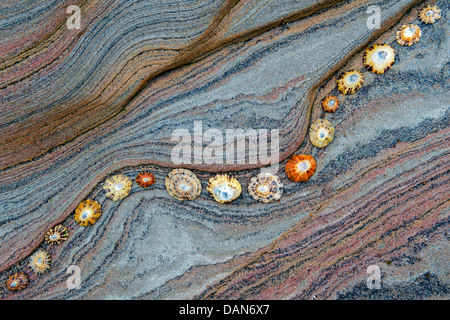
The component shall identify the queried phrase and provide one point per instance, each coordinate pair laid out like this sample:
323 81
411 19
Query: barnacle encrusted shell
183 184
224 188
145 179
17 281
321 133
265 187
408 35
56 235
117 187
378 58
300 168
330 104
40 261
430 14
350 82
87 212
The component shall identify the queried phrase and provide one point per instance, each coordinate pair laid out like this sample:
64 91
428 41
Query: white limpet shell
408 35
224 188
379 58
265 187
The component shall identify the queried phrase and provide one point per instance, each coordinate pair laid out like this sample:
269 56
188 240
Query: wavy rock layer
79 106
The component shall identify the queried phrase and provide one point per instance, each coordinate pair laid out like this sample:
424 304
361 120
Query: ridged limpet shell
300 168
379 58
350 82
117 187
17 282
145 179
265 187
40 262
430 14
56 235
330 104
321 133
87 212
408 35
224 188
183 184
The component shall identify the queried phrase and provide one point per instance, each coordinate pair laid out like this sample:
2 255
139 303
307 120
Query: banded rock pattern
380 192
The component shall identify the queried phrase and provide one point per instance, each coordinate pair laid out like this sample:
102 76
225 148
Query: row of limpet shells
379 58
183 184
87 213
39 262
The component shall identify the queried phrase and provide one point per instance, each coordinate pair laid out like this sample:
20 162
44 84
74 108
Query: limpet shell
87 212
145 179
17 281
224 188
183 184
430 14
409 34
265 187
379 58
56 235
350 82
330 104
117 187
321 133
40 261
300 168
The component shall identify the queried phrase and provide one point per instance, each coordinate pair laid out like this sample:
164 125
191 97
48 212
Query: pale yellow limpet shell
430 14
350 82
117 187
321 133
379 58
40 262
224 188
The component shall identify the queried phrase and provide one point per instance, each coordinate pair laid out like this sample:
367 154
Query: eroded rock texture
80 105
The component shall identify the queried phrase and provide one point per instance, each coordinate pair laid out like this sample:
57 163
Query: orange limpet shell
56 235
300 168
40 261
350 82
145 179
430 14
408 35
330 104
17 281
379 58
87 212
